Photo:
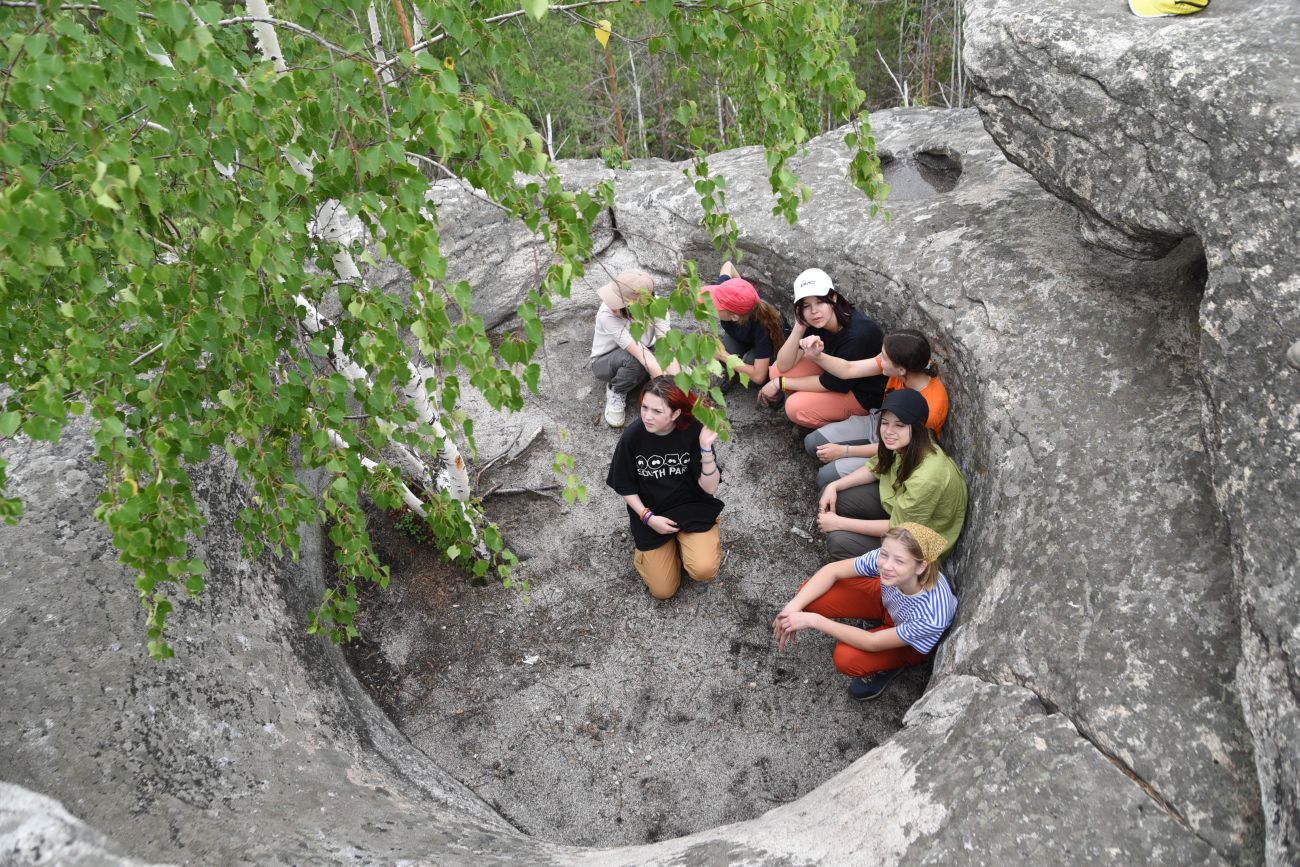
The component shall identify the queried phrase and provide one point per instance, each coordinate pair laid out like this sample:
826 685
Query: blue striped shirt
920 619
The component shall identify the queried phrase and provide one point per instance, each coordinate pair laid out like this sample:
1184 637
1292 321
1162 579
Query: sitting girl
816 397
616 359
843 446
911 479
666 470
751 328
898 584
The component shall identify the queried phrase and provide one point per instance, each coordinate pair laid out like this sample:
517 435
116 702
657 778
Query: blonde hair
930 578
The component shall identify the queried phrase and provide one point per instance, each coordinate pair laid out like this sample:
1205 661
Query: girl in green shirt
911 479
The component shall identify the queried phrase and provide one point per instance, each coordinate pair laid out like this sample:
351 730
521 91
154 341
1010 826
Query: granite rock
1158 130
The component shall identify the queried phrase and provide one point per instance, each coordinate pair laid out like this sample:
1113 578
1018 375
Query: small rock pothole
921 174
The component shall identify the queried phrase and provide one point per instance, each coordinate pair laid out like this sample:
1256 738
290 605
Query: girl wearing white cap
814 397
617 360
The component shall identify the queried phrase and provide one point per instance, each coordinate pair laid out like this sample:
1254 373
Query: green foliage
160 193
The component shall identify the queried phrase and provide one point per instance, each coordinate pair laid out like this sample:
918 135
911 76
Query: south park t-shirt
664 472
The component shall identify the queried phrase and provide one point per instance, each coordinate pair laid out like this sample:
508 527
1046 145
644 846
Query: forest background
902 53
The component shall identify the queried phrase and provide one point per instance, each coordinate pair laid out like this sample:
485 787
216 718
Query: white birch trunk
735 113
267 39
636 90
377 45
717 93
330 225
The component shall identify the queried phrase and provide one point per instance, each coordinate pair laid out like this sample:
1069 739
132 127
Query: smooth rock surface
36 830
1165 128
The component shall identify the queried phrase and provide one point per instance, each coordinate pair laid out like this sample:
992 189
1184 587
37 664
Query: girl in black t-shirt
814 397
752 329
665 469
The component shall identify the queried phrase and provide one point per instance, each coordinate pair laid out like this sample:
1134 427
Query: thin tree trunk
735 113
902 40
267 40
661 121
927 53
377 44
403 24
959 44
717 93
613 98
636 90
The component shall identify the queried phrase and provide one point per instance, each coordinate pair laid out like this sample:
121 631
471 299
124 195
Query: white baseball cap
814 281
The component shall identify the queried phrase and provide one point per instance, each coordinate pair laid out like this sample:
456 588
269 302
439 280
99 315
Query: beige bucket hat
627 287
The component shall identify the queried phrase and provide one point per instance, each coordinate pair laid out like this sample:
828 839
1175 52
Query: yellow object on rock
1164 8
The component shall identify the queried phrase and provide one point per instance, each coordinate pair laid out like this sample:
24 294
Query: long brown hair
911 455
770 319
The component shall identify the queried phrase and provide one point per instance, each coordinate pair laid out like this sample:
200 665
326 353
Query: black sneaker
863 688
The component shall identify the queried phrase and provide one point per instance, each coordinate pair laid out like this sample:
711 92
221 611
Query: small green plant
612 156
413 527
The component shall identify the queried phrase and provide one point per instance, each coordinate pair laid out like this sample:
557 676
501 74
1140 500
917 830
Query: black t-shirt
752 335
861 338
664 472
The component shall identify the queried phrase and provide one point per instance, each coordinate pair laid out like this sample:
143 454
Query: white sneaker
615 407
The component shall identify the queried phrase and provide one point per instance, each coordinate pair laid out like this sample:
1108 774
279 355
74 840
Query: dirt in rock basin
585 711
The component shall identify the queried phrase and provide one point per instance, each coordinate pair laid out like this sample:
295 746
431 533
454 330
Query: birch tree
172 177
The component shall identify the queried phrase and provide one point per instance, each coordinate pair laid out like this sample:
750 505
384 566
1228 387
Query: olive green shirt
935 496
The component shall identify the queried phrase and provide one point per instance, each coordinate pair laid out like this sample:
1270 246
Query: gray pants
861 502
856 430
618 368
733 346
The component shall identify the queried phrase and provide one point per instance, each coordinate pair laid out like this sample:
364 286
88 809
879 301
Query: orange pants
700 554
816 408
859 598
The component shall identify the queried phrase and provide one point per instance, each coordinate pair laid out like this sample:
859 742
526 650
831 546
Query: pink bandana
735 296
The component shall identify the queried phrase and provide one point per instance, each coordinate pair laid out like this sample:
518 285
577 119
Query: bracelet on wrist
646 516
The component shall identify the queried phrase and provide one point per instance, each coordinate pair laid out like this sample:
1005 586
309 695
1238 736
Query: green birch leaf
536 8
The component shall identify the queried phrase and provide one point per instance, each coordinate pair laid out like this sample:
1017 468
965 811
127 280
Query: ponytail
770 319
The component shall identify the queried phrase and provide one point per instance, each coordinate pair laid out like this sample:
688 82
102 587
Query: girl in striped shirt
898 584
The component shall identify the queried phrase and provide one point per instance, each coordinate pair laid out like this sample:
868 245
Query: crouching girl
665 468
898 584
